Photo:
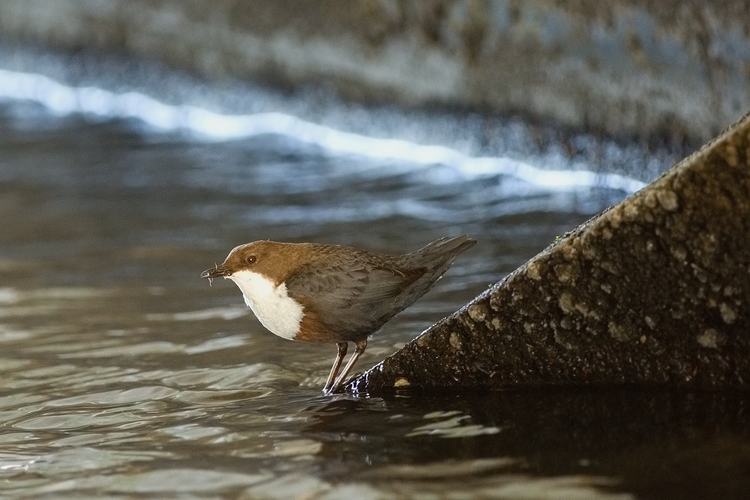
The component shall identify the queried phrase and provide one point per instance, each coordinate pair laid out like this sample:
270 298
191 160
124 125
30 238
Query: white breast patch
273 307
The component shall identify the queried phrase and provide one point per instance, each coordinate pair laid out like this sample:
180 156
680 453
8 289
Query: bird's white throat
271 304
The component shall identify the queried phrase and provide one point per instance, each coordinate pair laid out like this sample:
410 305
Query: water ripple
210 125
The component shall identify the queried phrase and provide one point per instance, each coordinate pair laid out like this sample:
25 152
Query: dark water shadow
654 443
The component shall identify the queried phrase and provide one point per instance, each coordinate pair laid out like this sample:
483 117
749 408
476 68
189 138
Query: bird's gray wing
353 300
341 286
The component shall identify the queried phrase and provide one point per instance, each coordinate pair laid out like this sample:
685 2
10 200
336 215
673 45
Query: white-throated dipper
312 292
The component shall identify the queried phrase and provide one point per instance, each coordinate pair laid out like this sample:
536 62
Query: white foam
209 125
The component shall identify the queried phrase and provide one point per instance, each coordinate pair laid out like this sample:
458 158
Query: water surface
126 375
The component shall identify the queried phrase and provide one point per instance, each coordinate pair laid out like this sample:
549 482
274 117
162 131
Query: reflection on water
100 103
125 374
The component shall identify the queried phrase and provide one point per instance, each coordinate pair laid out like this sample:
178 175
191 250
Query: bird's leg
343 346
358 350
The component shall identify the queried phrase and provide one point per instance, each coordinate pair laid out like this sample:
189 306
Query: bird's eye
250 259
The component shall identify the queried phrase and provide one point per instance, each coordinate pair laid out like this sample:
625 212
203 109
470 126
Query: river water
124 375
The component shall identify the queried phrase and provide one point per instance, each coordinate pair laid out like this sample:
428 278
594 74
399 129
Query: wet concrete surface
631 68
652 291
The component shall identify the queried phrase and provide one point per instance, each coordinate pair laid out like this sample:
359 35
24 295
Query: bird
313 292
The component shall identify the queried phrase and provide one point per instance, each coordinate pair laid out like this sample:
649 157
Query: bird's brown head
276 261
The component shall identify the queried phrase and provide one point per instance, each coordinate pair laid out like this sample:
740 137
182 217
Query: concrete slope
655 290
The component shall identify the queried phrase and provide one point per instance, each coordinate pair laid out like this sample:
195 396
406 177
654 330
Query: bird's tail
441 253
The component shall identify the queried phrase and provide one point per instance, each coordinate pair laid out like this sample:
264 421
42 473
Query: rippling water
125 375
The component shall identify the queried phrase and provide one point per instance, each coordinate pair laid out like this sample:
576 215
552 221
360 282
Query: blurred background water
126 375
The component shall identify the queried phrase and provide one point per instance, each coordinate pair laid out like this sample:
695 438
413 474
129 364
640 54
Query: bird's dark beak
215 272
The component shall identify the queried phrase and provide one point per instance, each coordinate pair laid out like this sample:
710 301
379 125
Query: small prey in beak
215 272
